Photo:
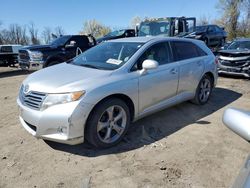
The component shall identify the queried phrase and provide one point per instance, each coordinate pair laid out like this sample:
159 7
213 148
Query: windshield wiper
89 66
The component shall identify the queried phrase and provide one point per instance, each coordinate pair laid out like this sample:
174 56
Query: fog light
62 129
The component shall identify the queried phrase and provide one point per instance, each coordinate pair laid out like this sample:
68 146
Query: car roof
147 39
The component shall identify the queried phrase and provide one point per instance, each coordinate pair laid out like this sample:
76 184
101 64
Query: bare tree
47 35
33 34
135 20
94 28
203 20
17 34
59 31
231 13
1 36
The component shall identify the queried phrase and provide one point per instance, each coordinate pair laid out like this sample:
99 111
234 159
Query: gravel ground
183 146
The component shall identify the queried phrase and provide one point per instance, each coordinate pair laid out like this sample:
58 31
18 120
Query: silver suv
99 93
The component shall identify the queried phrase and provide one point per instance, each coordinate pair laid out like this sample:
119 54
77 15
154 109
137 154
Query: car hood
243 54
64 77
193 34
235 51
39 47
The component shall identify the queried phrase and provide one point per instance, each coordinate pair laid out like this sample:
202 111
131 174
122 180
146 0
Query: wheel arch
211 75
122 97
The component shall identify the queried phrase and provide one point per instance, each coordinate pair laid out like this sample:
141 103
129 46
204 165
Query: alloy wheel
205 90
111 124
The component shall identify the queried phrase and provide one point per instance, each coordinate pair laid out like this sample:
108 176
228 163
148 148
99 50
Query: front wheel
108 123
203 91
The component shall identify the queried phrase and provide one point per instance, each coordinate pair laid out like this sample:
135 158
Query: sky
70 15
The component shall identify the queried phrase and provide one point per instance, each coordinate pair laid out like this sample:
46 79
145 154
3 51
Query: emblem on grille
26 89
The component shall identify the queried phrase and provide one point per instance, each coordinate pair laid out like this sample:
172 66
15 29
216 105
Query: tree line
28 34
234 17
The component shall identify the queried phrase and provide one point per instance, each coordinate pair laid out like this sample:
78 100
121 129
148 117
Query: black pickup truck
8 55
123 33
60 50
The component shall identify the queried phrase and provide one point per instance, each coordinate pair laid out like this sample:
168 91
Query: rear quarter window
186 50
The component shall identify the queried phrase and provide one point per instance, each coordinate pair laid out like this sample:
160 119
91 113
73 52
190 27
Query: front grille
238 64
23 54
32 99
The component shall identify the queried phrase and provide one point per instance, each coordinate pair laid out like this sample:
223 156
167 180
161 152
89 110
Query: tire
52 63
102 128
206 41
203 91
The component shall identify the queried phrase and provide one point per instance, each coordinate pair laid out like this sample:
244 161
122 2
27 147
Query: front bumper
234 71
30 64
63 123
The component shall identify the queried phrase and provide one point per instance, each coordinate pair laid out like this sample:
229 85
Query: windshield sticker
114 61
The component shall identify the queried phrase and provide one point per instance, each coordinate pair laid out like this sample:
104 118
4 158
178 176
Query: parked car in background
212 35
167 26
123 33
60 50
97 94
9 55
235 59
239 122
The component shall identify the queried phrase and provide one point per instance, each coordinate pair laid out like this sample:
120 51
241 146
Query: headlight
61 98
198 36
35 55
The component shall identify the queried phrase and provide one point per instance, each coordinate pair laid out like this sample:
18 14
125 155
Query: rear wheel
108 123
203 91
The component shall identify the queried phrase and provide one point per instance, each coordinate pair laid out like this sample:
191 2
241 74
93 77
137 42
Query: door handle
173 71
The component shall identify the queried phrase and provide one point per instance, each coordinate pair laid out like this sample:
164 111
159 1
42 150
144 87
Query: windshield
239 45
154 28
115 33
60 41
201 28
107 55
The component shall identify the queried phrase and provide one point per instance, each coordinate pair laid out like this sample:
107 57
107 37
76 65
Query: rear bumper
30 64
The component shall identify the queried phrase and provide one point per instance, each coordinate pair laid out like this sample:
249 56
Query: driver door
158 85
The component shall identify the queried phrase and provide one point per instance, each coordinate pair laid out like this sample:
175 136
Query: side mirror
71 44
238 121
149 64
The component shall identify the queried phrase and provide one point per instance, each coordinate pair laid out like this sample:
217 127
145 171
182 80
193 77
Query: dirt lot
184 146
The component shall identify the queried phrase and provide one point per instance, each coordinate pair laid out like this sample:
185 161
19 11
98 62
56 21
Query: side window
217 29
211 29
159 52
186 50
81 41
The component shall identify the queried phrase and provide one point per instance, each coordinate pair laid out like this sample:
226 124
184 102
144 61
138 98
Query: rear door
159 84
191 65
